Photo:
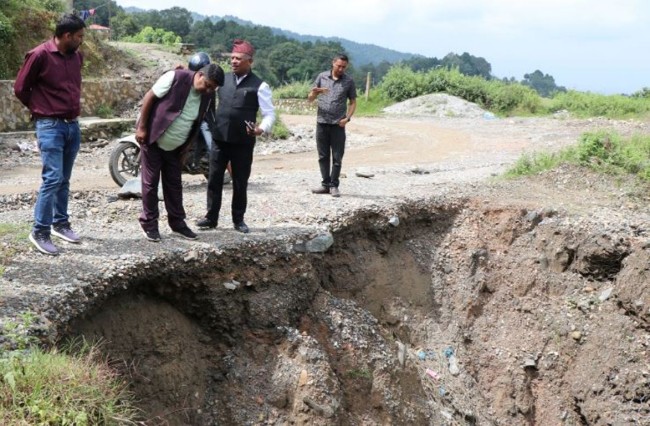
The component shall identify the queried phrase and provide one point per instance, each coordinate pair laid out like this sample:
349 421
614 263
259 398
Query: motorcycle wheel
124 163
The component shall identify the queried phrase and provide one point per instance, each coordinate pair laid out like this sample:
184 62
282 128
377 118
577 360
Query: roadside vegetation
72 386
605 152
509 98
151 35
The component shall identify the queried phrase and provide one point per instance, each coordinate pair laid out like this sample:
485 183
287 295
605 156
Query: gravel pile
437 105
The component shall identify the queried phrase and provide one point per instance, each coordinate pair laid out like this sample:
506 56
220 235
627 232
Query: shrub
154 35
297 90
604 151
105 111
587 104
402 83
279 130
23 25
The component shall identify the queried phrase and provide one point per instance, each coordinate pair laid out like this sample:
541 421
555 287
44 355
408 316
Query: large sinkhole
438 320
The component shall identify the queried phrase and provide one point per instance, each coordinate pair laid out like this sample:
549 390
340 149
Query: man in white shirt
170 117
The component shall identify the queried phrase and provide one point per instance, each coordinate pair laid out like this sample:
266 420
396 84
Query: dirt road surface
380 142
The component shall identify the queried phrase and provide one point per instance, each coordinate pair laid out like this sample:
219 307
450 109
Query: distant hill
361 54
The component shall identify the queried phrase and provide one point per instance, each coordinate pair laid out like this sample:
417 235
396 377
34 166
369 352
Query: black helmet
198 61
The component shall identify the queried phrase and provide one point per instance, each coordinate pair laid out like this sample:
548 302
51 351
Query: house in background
102 31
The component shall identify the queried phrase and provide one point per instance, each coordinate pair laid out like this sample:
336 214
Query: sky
600 46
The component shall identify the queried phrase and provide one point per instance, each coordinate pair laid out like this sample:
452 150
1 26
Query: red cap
242 46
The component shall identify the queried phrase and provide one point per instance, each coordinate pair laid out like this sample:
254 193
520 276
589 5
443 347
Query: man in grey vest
234 129
170 118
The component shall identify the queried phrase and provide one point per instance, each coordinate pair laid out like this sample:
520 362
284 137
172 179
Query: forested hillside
282 56
362 53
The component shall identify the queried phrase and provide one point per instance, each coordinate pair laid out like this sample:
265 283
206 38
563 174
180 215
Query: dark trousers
330 144
154 163
240 156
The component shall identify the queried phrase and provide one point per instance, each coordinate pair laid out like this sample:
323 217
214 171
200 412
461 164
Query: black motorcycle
124 163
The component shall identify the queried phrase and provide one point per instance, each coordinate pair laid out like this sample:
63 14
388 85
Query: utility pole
69 6
110 30
367 86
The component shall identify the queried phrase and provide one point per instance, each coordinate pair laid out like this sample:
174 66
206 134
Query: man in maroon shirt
49 84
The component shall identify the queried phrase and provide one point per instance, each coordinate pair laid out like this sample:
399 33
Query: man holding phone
234 129
337 101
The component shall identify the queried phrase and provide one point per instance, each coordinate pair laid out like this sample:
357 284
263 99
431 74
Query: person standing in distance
337 100
49 84
170 118
234 129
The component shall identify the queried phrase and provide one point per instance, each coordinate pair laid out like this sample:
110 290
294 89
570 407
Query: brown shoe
321 190
335 192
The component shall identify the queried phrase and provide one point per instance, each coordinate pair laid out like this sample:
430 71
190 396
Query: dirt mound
437 105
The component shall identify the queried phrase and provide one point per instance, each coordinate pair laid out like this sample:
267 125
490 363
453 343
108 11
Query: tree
468 65
123 25
202 33
544 84
422 63
177 20
285 58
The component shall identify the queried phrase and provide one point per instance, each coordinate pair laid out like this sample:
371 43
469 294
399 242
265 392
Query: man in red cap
234 129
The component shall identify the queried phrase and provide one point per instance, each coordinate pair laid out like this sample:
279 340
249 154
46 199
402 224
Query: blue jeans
58 142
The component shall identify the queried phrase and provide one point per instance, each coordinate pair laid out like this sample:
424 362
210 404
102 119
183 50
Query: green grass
358 373
279 129
373 106
73 386
582 104
13 240
298 90
105 111
59 388
602 151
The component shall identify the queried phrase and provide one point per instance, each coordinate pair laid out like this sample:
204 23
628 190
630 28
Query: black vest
237 104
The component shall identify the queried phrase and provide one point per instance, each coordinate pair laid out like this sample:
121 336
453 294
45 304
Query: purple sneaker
43 243
63 231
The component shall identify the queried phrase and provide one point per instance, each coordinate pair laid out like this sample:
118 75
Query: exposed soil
447 297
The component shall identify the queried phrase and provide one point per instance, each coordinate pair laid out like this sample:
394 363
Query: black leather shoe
206 223
242 227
